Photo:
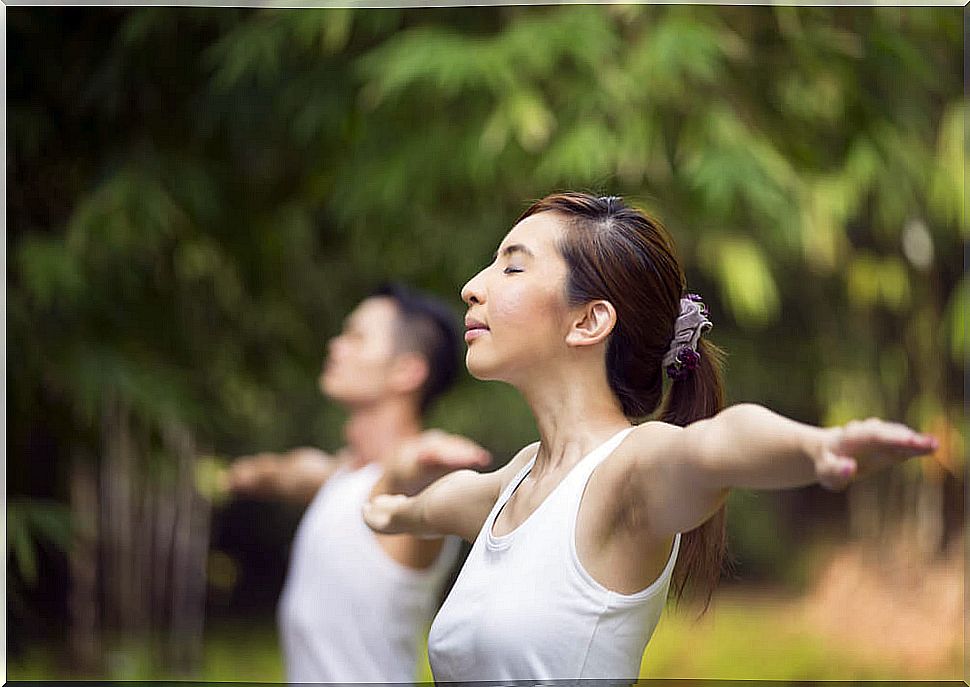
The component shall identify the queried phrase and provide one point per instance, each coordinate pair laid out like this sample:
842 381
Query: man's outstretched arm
295 476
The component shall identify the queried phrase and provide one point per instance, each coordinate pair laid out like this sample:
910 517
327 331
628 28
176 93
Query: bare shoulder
644 448
641 466
650 486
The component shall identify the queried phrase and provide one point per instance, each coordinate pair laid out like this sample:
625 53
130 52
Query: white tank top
349 612
524 607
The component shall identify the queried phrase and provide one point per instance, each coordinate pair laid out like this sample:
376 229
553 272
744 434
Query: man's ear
409 371
593 323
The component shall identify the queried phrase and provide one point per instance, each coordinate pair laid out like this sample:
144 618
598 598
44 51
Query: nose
472 292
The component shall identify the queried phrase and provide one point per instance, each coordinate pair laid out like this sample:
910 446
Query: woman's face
517 313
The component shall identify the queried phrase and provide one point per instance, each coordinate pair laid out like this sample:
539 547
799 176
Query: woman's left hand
860 448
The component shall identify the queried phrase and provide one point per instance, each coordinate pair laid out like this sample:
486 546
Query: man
355 603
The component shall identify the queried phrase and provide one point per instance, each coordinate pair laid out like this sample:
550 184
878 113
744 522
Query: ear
593 323
408 372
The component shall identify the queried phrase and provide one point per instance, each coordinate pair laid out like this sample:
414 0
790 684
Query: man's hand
861 448
293 476
432 454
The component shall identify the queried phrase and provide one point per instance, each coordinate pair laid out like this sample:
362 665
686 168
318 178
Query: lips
474 329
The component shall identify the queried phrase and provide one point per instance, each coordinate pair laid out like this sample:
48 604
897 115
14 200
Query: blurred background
197 197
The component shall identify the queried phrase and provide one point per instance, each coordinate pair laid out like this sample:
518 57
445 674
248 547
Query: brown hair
620 254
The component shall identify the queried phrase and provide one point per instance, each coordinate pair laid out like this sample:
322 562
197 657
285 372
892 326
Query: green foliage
199 196
756 544
743 274
30 521
956 319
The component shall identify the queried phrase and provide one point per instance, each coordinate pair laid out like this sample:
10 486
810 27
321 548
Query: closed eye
512 270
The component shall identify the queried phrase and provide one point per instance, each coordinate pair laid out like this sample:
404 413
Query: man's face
357 367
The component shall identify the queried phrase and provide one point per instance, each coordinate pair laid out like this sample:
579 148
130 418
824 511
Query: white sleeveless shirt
349 612
524 607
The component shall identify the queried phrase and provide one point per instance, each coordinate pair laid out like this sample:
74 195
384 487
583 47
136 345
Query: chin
331 388
480 369
480 376
476 373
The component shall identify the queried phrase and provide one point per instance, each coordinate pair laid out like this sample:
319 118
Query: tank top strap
576 482
565 497
581 473
506 493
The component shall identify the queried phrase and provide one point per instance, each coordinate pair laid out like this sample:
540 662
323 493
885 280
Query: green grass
233 651
741 637
243 652
744 637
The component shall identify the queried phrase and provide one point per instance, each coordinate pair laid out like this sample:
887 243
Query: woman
577 539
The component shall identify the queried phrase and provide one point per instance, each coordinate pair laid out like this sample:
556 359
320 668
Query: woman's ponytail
697 395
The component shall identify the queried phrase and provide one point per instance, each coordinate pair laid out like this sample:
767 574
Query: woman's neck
575 412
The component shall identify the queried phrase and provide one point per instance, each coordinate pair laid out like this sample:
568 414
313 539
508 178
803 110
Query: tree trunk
190 548
83 561
148 538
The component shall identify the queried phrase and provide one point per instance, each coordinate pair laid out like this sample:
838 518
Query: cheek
522 303
353 361
368 366
510 307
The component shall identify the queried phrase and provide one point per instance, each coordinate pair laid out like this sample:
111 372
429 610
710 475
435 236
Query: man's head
396 343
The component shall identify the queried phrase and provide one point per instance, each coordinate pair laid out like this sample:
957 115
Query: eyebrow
514 248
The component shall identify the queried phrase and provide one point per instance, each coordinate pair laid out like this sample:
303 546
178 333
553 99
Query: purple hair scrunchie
682 356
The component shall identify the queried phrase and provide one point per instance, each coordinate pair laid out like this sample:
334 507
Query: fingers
862 447
877 438
251 474
458 454
923 443
374 517
437 449
307 455
240 476
835 472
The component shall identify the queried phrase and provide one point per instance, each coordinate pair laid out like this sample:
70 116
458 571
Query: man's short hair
428 327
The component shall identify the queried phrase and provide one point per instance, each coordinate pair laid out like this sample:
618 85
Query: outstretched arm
684 474
295 476
457 503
